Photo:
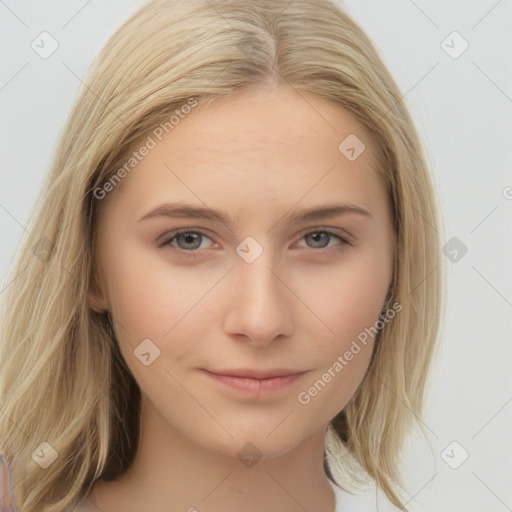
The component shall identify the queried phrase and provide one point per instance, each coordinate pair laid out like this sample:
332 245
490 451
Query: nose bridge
257 278
260 305
254 266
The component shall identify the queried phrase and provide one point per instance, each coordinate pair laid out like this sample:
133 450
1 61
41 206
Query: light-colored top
345 501
366 501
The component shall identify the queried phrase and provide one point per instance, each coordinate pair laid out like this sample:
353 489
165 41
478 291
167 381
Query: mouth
256 381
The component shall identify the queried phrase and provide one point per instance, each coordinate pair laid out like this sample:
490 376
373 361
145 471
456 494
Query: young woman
230 292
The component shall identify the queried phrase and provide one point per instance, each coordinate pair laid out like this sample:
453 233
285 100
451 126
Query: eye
320 239
186 240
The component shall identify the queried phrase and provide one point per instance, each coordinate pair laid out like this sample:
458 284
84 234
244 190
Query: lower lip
256 385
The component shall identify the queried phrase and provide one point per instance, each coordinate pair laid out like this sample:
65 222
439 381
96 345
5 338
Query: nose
260 305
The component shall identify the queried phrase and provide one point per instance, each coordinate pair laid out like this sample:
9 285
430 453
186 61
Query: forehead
269 146
269 120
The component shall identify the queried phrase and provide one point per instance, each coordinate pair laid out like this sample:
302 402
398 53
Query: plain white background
462 106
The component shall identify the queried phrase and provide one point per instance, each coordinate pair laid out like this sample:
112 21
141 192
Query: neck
169 468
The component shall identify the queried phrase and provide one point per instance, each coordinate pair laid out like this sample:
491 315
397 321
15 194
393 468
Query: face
234 310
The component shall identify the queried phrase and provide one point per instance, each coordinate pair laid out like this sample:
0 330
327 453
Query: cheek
331 387
347 298
149 303
147 297
151 300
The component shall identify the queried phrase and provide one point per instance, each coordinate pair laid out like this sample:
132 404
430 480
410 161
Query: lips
255 381
251 373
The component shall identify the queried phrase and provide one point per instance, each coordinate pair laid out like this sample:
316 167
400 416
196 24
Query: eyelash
195 252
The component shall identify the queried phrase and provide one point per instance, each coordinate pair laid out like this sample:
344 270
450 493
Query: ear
96 296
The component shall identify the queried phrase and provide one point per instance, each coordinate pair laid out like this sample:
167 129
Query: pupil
190 238
317 237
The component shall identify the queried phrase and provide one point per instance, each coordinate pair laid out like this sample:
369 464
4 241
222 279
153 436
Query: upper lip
252 373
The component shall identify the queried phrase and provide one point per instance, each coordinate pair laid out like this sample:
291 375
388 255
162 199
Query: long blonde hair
65 391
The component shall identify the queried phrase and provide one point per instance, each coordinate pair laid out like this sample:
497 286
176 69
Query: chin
258 444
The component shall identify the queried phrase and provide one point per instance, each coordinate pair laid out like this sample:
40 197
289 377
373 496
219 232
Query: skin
257 157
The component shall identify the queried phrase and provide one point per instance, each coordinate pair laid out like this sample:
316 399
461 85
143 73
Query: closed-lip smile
254 380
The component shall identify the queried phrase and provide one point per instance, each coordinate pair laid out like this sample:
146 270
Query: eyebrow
186 211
